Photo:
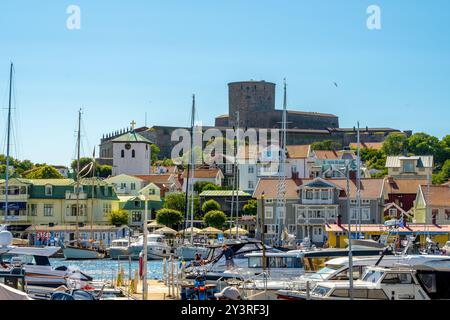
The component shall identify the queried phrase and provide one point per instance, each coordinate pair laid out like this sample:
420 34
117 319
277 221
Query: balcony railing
73 196
15 197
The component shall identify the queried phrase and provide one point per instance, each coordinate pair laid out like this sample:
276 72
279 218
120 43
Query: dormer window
48 190
408 166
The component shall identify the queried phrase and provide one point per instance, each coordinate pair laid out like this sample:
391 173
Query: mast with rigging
8 144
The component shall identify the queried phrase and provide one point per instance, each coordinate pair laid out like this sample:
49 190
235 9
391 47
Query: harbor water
107 269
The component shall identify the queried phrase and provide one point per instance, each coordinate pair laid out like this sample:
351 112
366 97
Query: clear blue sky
135 56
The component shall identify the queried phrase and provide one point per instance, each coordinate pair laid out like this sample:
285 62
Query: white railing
73 196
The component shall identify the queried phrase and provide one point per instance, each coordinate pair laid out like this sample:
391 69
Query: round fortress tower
249 98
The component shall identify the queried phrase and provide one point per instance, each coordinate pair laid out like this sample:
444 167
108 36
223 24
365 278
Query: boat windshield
24 259
320 291
372 276
275 262
324 272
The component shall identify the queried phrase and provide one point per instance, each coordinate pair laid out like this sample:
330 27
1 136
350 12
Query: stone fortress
255 101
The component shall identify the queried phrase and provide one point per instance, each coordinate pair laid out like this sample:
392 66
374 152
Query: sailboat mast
92 195
77 193
192 170
236 168
358 177
8 142
281 195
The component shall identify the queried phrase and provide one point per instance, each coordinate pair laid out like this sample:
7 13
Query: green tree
215 219
394 144
201 186
443 175
118 217
169 217
103 171
175 201
45 172
83 163
326 145
155 150
210 205
250 208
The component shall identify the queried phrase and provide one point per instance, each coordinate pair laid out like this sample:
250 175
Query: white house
131 154
126 184
213 175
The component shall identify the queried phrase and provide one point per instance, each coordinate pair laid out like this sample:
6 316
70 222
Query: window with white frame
301 213
48 190
132 186
268 213
324 194
251 169
393 212
251 185
123 185
365 213
281 212
316 213
331 213
268 201
106 209
365 201
271 229
309 195
32 209
48 210
292 228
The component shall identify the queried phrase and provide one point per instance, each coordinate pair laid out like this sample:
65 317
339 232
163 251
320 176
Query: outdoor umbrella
166 230
239 231
210 230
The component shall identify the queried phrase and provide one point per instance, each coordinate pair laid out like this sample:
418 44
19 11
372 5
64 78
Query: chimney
352 175
339 220
390 179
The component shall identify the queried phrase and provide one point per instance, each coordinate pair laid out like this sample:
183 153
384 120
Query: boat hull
71 253
188 252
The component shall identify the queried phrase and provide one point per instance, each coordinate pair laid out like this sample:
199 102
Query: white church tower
131 154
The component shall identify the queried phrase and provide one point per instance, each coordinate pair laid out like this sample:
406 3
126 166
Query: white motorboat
337 270
386 284
82 253
119 249
334 270
157 247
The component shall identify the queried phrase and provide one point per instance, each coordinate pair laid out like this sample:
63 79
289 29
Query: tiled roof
326 154
223 193
399 186
424 161
157 178
298 151
132 136
206 173
438 196
370 188
270 189
53 182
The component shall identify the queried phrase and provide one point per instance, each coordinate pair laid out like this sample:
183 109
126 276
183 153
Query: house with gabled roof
432 205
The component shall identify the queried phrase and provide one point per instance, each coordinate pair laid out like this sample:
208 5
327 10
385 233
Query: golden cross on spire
133 124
